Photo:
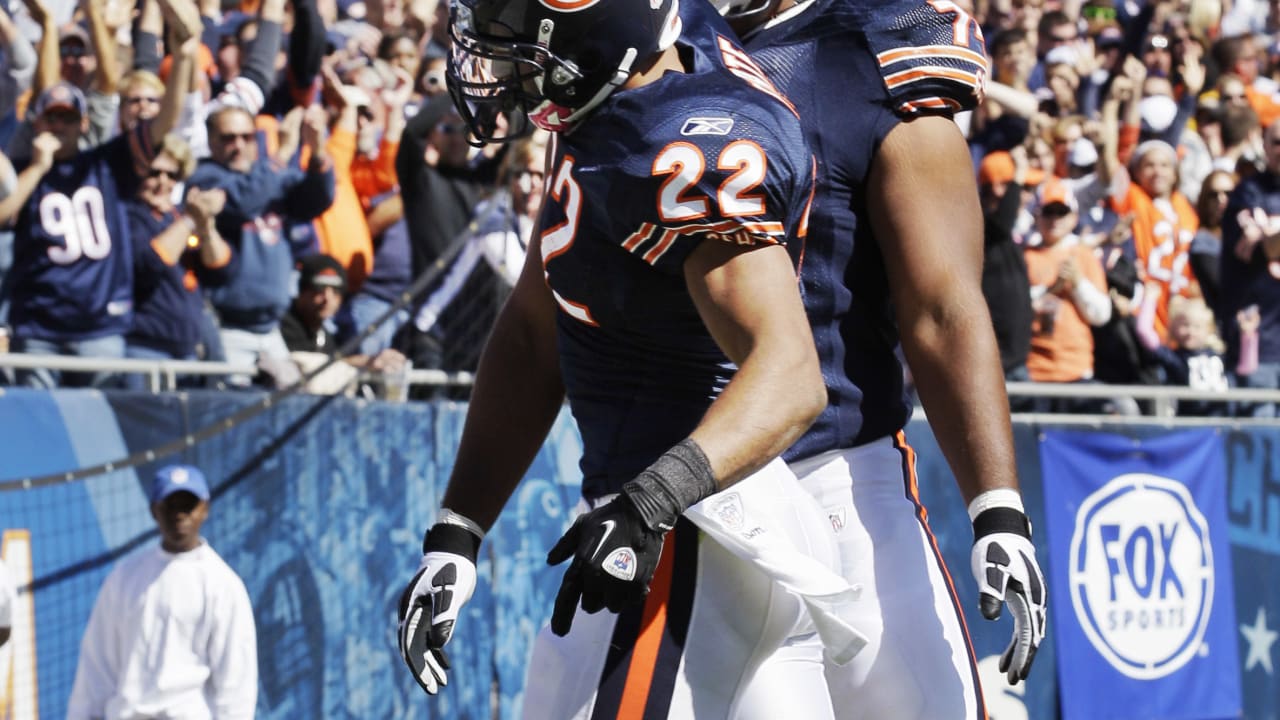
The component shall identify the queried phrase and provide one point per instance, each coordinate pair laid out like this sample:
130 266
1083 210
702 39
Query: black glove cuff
679 478
1001 520
446 537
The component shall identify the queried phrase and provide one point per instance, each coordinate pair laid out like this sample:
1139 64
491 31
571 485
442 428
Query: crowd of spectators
1127 158
176 171
175 167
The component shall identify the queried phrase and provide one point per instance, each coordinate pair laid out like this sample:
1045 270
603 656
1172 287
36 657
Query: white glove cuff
450 517
999 497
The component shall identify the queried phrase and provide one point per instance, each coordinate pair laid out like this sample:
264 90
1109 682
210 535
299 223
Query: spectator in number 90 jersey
72 292
660 298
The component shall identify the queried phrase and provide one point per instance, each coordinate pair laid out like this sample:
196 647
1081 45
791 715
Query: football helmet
520 63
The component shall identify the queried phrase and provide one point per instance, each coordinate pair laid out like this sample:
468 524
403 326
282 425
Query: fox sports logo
1142 574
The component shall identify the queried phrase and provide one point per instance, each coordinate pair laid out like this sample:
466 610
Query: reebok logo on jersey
707 126
621 564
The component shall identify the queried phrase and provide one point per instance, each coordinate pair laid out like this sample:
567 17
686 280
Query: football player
895 253
661 300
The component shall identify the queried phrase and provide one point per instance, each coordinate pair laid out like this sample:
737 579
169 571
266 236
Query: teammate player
895 250
673 188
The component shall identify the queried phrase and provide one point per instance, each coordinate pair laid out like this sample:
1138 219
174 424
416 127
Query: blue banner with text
1141 575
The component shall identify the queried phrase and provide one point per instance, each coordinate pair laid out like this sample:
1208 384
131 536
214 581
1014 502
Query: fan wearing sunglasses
177 250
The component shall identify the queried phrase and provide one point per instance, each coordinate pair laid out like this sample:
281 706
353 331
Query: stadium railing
163 375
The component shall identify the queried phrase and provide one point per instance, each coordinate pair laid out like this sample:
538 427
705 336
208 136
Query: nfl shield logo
621 563
729 510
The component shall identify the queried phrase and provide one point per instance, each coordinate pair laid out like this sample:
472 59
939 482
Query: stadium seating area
1120 127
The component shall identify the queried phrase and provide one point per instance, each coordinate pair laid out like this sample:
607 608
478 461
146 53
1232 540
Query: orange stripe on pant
644 655
913 492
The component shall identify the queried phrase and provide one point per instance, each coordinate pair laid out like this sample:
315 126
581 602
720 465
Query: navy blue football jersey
73 254
713 155
838 62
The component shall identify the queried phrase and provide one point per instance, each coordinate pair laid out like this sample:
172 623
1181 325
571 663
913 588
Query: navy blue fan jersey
73 253
834 60
707 155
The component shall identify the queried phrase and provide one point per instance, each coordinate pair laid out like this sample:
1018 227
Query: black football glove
614 556
616 547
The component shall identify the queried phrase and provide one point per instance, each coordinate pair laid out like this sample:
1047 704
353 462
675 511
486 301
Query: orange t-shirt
343 230
374 176
1063 353
1264 105
1162 233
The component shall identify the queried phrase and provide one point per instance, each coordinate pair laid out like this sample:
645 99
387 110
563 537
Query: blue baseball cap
174 478
61 96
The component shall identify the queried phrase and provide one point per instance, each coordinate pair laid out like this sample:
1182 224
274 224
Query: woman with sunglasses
1206 246
177 251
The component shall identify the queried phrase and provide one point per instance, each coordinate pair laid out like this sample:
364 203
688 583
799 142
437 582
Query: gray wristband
678 479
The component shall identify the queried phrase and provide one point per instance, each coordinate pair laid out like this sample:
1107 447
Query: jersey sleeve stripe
955 52
931 104
931 73
742 66
638 237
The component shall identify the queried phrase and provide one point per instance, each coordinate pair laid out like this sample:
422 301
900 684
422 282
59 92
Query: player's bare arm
517 395
924 208
179 84
930 233
748 299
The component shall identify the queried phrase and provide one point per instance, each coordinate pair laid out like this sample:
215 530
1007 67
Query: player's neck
666 61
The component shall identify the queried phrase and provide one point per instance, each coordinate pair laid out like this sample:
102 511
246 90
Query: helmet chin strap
558 118
548 115
741 9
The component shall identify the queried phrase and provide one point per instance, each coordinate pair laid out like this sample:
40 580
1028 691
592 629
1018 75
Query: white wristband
450 517
999 497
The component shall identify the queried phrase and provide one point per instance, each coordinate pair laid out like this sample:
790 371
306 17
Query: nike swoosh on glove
1004 564
430 604
614 555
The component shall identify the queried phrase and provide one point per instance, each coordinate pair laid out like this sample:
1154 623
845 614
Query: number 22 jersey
713 154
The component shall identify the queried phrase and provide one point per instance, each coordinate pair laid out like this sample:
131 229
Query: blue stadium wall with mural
320 504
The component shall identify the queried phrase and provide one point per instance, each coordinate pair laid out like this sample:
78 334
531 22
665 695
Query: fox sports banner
1142 603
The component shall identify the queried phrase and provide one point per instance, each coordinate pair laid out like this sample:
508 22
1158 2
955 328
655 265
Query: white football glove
430 605
1004 564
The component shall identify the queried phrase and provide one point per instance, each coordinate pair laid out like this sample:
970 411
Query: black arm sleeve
260 61
1001 220
306 45
146 50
